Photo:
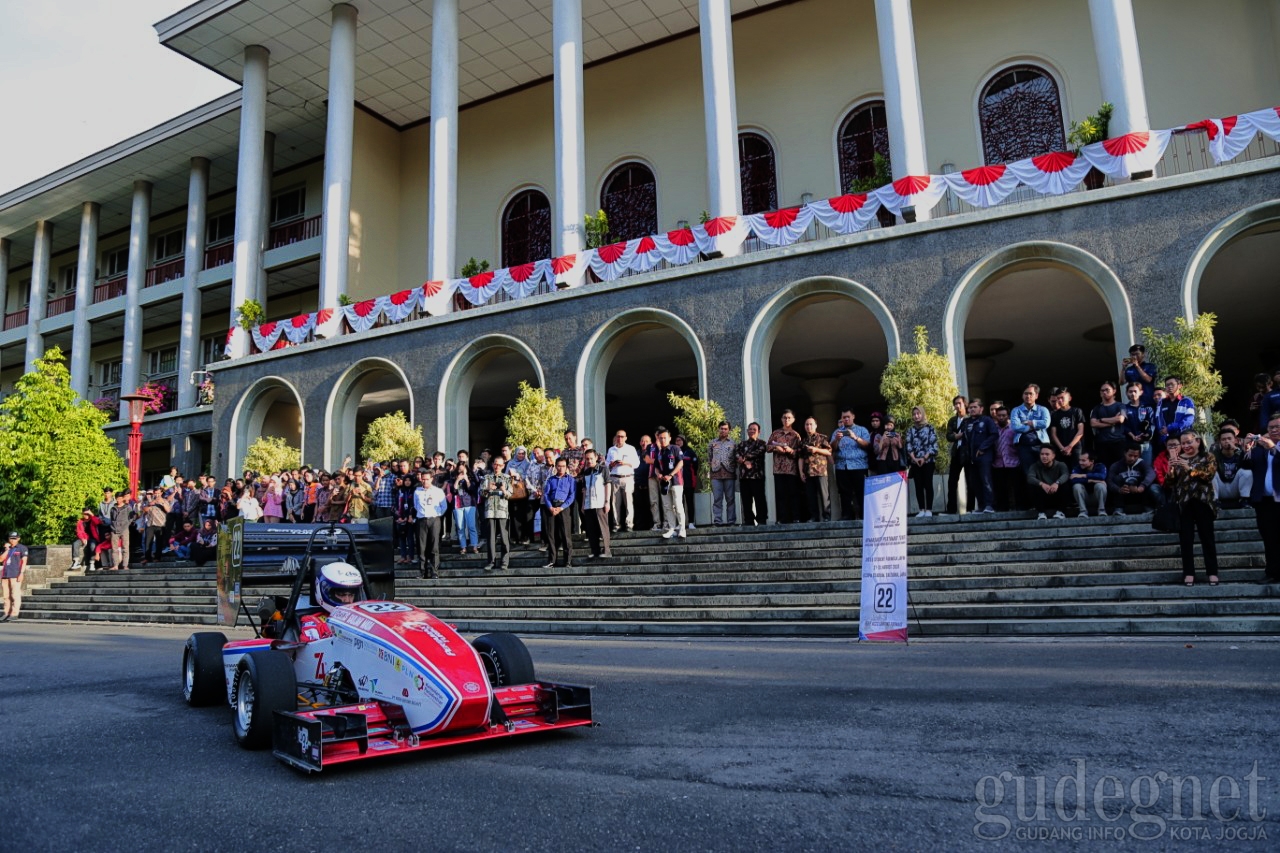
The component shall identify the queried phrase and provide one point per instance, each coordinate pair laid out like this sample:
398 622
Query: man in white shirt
621 462
429 506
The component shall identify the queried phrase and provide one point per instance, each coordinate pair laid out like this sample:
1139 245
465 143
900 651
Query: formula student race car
335 675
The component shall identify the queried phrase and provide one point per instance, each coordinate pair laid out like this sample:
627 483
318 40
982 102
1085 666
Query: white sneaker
920 514
682 536
1041 517
990 509
1102 513
928 513
692 527
668 534
1059 514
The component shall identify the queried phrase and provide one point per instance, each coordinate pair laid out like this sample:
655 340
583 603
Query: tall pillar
189 327
903 111
570 200
4 275
250 225
720 104
442 193
86 260
1115 40
337 156
268 173
139 238
40 251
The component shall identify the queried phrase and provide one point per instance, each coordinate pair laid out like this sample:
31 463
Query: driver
338 584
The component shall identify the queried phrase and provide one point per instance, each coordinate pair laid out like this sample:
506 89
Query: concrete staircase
976 575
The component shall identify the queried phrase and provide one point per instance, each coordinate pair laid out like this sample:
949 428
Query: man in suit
1264 462
980 436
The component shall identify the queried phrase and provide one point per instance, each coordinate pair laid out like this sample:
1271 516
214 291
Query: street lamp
137 411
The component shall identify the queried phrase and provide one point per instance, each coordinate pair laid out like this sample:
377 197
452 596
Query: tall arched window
630 200
863 135
759 173
526 229
1020 115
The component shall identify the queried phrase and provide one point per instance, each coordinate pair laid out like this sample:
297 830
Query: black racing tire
264 684
506 659
203 680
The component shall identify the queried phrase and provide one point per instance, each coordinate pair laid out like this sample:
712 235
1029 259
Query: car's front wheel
203 680
506 659
264 684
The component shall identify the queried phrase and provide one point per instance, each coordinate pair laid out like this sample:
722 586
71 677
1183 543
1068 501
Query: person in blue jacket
1088 476
980 436
1030 423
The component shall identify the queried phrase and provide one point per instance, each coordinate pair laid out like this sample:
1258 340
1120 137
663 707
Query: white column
1115 40
570 199
250 226
268 174
720 104
337 156
192 308
40 251
442 192
139 237
903 111
86 261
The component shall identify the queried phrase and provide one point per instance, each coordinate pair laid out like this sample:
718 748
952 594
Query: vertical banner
230 567
882 615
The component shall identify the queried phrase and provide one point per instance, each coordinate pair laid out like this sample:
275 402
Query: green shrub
921 378
391 437
271 453
535 420
1187 353
699 422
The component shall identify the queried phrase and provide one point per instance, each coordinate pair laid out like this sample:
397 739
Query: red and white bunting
985 186
723 235
1227 136
570 270
677 247
781 227
398 307
614 260
361 315
1121 156
524 280
647 255
921 192
329 322
1057 173
298 329
1266 122
265 335
845 214
232 335
436 296
478 289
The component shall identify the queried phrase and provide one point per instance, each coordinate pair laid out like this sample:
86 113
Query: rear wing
272 555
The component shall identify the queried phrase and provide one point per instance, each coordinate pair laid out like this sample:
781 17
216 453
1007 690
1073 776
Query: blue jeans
981 481
464 523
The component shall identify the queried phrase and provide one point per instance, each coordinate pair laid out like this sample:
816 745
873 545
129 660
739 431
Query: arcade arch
272 407
479 385
368 390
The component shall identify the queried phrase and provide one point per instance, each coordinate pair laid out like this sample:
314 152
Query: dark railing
167 271
110 288
219 253
16 320
61 305
293 232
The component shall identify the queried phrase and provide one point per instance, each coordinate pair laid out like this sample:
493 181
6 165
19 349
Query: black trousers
642 517
1010 486
558 538
498 529
953 487
852 485
786 488
923 477
429 544
1046 502
1197 517
1267 513
597 523
755 508
816 490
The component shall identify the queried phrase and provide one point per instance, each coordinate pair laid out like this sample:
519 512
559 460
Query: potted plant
881 175
1087 131
596 229
249 314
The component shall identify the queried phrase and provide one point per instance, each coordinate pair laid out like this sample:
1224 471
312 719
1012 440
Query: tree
1187 353
535 420
921 378
54 457
269 454
391 437
699 422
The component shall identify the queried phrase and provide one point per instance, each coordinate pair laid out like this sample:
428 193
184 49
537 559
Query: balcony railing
110 288
61 305
293 232
219 253
167 271
16 320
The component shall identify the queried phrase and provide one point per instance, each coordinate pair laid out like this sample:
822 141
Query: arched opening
629 366
1046 313
367 391
1020 115
479 386
759 173
526 229
630 200
863 134
271 408
1238 285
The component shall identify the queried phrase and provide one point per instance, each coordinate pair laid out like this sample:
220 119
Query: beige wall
375 205
415 146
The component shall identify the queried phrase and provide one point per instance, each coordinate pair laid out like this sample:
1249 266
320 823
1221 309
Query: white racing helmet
335 579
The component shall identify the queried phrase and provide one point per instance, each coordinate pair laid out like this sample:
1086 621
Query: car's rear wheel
203 680
506 659
264 684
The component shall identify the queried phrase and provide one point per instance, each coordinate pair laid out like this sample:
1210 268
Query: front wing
314 739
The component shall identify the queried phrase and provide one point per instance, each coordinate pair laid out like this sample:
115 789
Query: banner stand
882 614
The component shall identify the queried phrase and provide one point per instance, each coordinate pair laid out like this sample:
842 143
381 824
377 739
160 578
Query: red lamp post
137 411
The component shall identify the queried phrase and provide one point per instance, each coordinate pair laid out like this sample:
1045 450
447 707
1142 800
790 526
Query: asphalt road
735 745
